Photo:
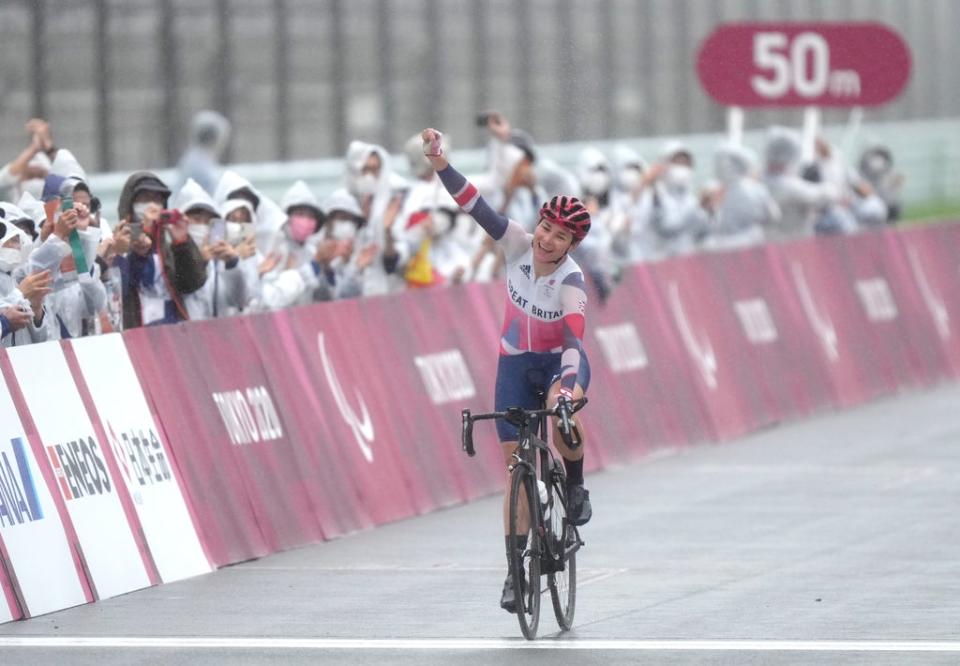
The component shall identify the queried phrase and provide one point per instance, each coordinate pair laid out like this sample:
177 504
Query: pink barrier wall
307 424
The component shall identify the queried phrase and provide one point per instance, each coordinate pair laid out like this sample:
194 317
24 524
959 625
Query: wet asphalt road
831 541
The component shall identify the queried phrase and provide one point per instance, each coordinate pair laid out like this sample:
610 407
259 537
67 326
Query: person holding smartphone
226 290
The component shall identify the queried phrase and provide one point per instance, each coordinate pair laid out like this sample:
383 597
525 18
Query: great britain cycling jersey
544 315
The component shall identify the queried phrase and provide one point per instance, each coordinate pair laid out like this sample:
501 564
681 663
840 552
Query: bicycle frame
528 444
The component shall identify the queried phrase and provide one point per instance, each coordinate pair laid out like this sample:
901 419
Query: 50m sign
803 64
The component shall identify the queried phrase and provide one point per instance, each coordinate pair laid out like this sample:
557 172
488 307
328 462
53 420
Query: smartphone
66 203
218 231
136 230
483 119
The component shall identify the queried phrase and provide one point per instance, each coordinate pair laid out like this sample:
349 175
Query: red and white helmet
568 211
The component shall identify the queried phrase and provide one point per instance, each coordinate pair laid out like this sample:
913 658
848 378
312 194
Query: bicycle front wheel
562 581
525 560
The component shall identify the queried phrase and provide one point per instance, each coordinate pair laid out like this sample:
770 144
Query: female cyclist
544 323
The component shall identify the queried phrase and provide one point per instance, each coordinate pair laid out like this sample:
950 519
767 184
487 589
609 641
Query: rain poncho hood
192 197
733 162
783 148
210 130
341 200
300 194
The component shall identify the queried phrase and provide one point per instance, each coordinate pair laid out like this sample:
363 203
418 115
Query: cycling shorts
518 377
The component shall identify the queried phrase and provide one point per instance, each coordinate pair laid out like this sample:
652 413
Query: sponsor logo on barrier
877 299
822 324
79 468
932 298
622 347
699 348
446 376
756 320
362 426
250 416
19 502
141 459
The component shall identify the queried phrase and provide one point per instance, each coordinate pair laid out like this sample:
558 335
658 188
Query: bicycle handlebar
564 409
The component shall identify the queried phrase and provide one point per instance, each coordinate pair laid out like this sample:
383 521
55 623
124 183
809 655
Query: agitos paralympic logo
19 502
79 468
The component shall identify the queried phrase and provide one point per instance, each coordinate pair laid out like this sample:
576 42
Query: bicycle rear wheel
525 563
562 583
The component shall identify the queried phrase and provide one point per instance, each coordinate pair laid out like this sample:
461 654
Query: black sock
519 542
574 471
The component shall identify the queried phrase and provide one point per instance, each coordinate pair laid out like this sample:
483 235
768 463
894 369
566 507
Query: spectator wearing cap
225 291
164 263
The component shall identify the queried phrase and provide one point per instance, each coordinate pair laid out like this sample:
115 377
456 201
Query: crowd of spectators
212 245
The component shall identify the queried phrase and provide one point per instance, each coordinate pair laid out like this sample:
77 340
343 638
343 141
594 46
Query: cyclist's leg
512 390
579 509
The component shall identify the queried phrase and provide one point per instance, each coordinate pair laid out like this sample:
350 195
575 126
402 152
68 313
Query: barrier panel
134 460
332 490
708 330
106 379
932 255
359 404
99 510
193 426
440 380
789 369
836 319
887 304
36 551
251 430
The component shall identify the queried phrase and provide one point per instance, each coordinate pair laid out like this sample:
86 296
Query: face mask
597 182
366 184
26 247
678 178
630 179
199 233
139 209
343 230
10 258
302 227
234 232
876 164
442 223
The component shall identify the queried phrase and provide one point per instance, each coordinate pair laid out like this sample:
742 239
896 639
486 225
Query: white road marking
477 644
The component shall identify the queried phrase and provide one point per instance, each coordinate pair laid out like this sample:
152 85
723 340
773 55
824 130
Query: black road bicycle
545 543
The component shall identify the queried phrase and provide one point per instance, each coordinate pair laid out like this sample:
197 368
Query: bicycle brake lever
466 438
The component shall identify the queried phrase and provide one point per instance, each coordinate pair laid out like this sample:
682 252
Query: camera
170 216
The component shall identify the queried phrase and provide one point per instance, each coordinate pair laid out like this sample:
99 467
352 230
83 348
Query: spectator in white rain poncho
745 206
378 192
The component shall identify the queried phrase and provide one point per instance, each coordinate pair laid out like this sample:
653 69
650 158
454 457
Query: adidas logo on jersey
525 269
